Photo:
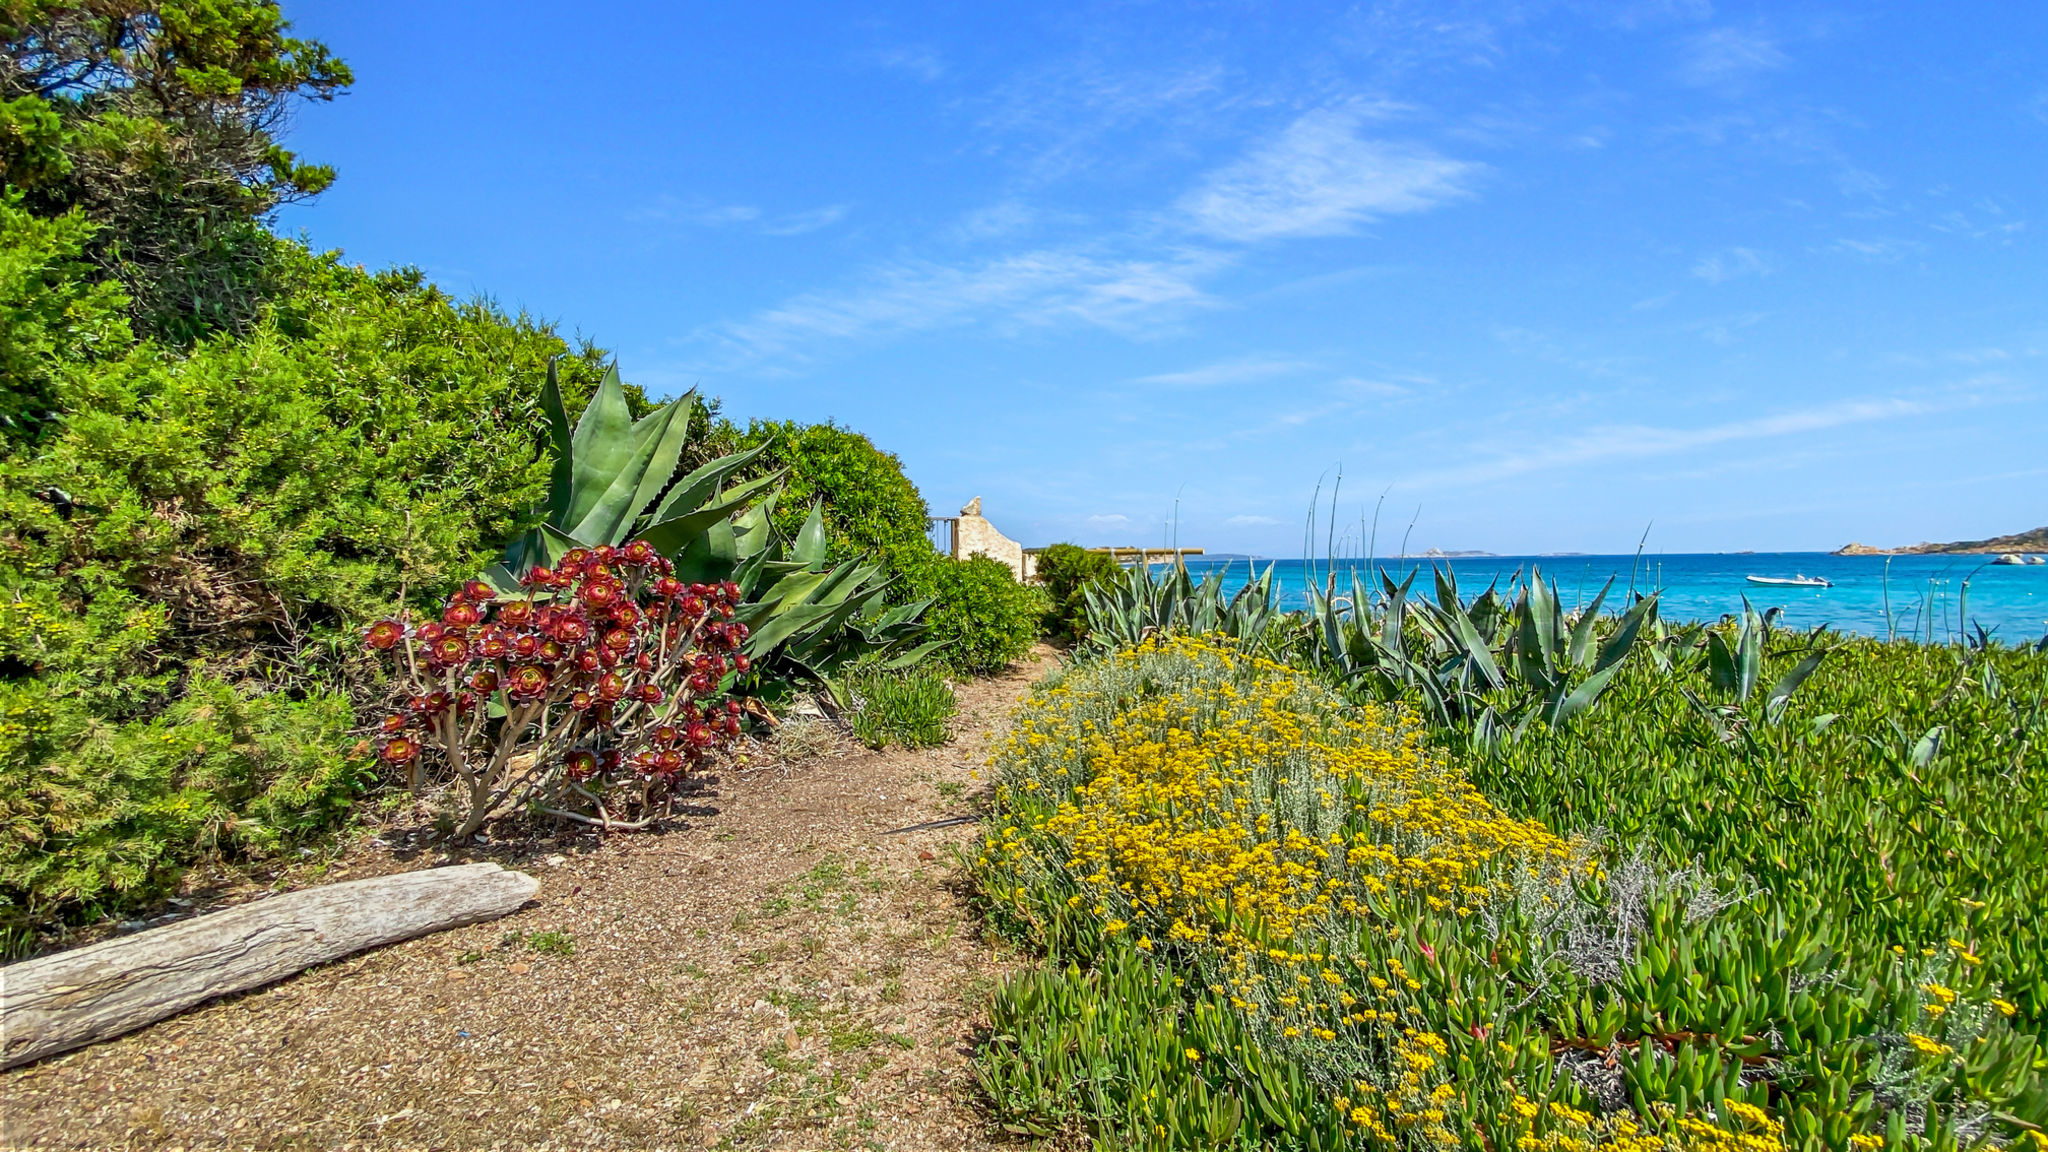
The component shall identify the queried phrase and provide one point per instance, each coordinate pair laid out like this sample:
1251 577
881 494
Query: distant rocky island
2034 541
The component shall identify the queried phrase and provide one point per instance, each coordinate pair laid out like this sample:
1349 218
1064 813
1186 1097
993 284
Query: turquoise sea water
1926 594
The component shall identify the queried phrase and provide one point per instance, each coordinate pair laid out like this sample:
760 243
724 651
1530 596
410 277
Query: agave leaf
1397 611
1749 650
904 613
1583 696
1535 636
1707 713
831 629
653 446
544 545
599 449
755 531
669 425
1623 638
1582 633
561 476
811 544
669 537
747 573
1781 694
1446 589
794 588
1928 746
1486 730
1543 612
915 654
1479 656
693 490
709 556
1721 662
784 624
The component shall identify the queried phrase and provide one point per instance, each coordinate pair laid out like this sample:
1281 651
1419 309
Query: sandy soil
784 973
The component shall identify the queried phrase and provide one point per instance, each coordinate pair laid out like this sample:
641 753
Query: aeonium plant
590 696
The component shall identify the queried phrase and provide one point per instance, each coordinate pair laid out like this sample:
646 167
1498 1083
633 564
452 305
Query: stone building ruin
971 534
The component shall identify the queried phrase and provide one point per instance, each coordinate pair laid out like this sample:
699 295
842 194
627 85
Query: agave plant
1125 611
806 614
1486 668
613 482
609 469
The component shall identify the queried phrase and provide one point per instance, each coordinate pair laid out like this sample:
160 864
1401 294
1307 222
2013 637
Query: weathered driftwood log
55 1003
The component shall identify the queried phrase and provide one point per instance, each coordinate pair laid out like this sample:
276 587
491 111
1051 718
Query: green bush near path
1067 571
986 619
191 546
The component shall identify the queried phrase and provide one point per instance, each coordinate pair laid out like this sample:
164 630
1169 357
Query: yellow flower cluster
1567 1129
1244 802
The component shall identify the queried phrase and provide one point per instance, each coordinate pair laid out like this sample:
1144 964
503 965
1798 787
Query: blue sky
1539 275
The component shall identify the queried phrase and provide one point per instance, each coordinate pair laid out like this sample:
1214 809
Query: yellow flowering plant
1370 953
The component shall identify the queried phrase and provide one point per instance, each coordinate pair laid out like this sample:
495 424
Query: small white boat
1798 581
2037 560
2010 558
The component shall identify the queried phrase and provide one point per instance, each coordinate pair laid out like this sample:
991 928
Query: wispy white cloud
672 211
1109 520
1252 521
1364 386
1322 178
1238 371
1039 287
1083 114
801 222
996 221
1634 441
714 217
1984 219
1727 56
1722 329
918 60
1882 250
1724 266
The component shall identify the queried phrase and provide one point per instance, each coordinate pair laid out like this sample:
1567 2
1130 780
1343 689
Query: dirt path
780 975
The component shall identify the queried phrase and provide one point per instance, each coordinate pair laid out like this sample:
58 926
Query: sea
1933 598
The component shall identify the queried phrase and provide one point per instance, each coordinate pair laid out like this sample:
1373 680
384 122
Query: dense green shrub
986 619
871 507
1066 570
197 539
55 318
95 811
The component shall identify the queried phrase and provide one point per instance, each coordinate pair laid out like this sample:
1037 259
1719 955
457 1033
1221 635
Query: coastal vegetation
282 538
1473 872
225 458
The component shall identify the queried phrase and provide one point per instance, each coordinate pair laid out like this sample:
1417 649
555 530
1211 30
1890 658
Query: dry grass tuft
800 739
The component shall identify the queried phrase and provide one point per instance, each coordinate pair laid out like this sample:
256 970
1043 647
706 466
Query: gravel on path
784 973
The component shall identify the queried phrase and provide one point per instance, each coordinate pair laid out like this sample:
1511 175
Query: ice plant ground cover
1277 918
